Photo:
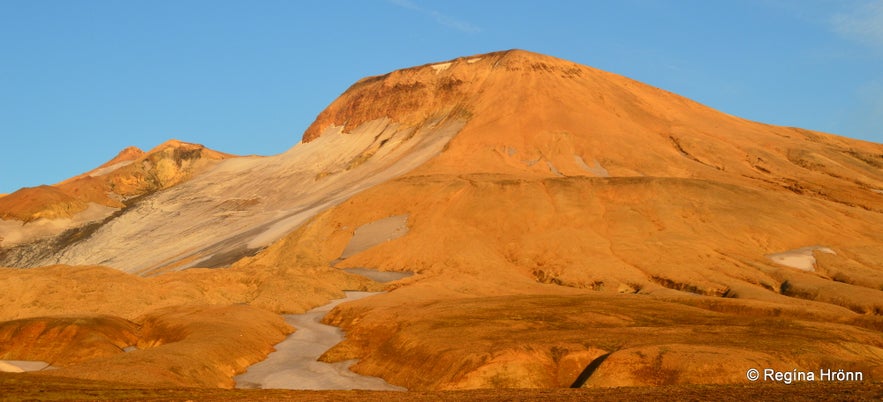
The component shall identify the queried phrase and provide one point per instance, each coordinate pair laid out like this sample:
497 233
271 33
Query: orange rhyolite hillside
554 214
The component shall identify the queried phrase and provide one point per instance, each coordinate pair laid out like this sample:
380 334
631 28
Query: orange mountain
591 187
567 226
131 173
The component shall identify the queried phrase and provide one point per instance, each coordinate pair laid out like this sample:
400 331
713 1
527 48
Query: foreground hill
25 389
555 216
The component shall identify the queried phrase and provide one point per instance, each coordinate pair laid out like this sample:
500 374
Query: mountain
558 218
40 220
237 206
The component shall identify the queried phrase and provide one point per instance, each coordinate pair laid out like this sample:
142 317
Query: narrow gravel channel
294 364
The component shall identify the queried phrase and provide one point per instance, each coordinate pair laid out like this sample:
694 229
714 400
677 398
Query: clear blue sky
82 79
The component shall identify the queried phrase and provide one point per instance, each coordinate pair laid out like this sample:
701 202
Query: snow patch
800 258
440 67
22 366
473 60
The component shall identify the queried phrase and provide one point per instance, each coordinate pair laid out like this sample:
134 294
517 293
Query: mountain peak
126 155
518 58
413 95
531 114
174 143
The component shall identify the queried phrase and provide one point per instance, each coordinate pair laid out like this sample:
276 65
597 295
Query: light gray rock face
243 204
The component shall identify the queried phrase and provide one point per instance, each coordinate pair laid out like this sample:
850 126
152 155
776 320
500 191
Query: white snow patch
878 191
473 60
800 258
440 67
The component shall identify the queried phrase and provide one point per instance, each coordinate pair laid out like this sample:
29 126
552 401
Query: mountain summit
558 218
536 115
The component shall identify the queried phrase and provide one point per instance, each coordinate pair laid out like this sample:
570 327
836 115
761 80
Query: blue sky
82 79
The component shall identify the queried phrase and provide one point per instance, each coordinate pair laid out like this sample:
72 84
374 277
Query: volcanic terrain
565 226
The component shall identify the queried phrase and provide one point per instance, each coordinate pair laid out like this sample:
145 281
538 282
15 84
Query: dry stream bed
295 364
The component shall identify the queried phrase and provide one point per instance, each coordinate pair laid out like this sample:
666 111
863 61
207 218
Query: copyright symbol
752 374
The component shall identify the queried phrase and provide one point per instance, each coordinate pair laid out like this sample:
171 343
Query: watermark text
789 377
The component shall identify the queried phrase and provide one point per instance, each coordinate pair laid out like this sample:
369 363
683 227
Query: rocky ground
24 387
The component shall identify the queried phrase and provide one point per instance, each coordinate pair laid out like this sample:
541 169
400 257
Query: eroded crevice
588 371
680 148
691 288
790 289
553 278
868 158
757 163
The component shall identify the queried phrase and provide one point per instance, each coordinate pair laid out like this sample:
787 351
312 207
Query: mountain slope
40 220
566 181
554 214
537 115
240 205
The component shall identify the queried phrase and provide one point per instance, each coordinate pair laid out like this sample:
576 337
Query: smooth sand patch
374 233
801 258
108 169
596 169
295 365
21 366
